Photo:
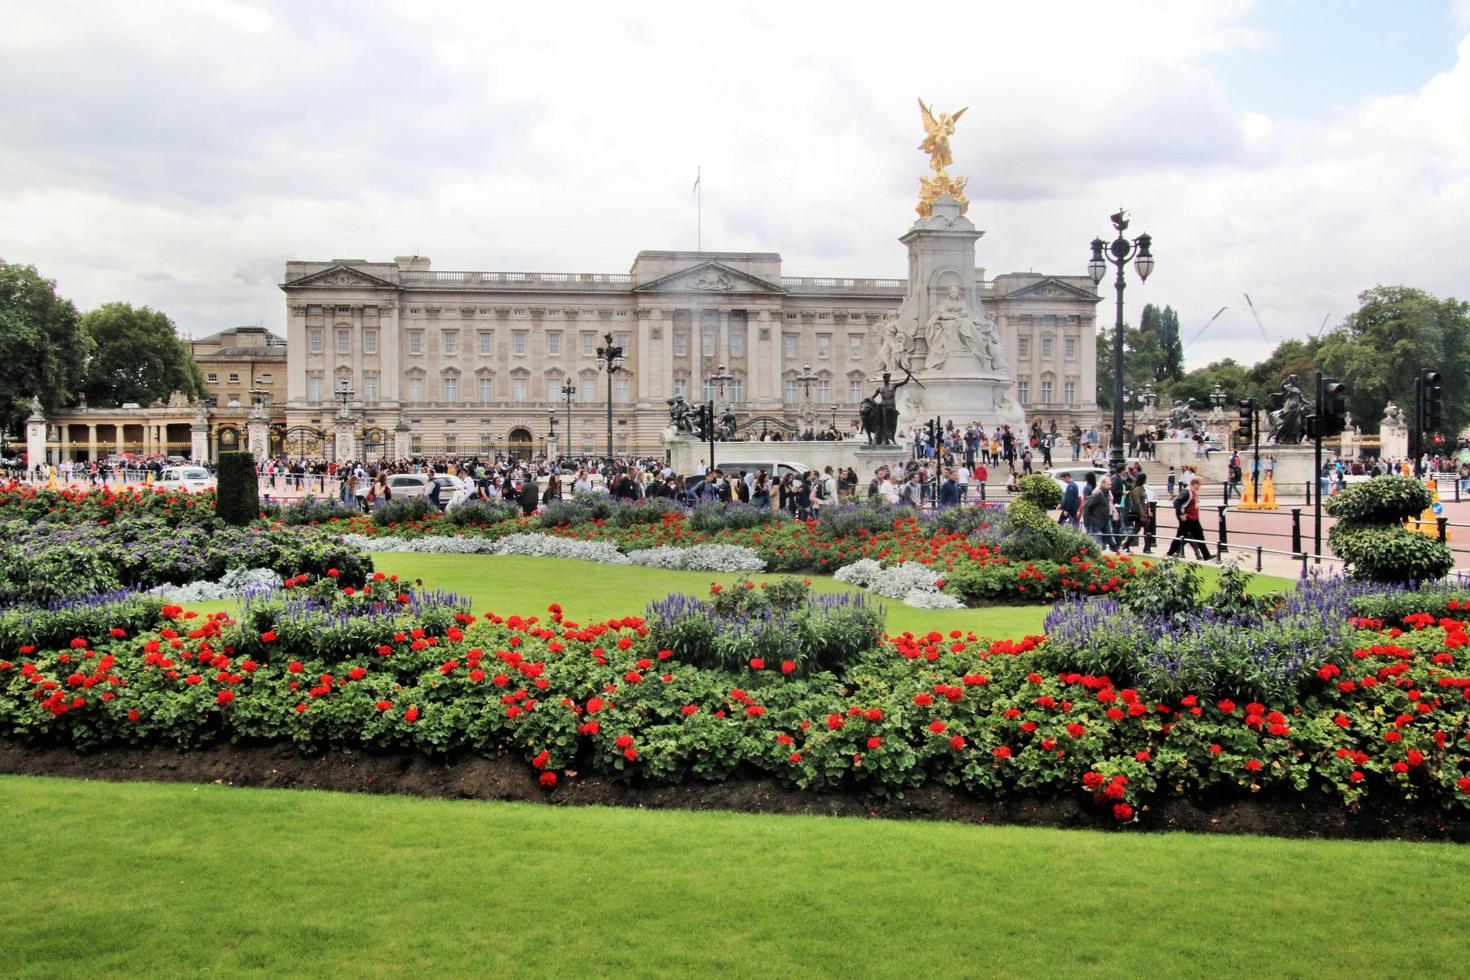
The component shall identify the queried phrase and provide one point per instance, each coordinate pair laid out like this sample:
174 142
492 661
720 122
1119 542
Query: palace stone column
35 435
258 433
400 439
343 438
199 438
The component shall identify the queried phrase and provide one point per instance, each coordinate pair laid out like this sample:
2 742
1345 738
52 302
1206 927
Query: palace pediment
340 277
710 277
1049 289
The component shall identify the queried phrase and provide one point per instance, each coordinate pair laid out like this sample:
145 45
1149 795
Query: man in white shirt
964 481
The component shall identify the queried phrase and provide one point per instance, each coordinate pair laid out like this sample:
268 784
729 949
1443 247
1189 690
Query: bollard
1443 523
1260 550
1224 538
1296 529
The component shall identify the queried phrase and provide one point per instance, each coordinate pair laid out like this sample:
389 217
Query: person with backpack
1097 511
1186 508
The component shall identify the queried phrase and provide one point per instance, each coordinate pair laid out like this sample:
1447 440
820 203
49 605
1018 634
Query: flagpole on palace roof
698 212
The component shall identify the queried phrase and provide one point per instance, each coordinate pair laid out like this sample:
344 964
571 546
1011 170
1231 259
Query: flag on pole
696 180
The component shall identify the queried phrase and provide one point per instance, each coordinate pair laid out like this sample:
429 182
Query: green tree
1141 358
1379 349
137 357
1232 377
1162 325
43 349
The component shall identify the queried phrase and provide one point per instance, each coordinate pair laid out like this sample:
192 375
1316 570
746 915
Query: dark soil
473 777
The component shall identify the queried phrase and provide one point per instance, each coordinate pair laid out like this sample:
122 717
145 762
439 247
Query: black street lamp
717 382
807 379
569 391
1218 398
551 437
1119 253
610 359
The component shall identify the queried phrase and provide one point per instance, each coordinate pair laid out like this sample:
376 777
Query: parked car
1079 473
189 478
777 468
405 485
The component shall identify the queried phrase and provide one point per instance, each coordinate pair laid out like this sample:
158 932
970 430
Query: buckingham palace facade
471 362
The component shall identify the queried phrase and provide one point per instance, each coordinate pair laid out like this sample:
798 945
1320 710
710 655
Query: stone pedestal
199 439
35 435
685 455
1394 441
400 439
960 371
258 435
343 439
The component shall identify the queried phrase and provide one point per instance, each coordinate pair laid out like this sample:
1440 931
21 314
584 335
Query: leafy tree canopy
137 357
43 349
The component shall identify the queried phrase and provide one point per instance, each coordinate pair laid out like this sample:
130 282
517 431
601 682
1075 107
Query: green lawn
589 591
160 880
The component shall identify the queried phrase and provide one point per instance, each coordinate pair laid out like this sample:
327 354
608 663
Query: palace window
589 345
415 391
369 390
553 344
1023 392
1046 348
314 390
211 378
792 395
681 343
589 391
234 377
1046 393
264 379
854 391
1069 392
737 390
621 390
449 443
486 446
709 390
486 385
451 343
344 341
789 340
1023 347
824 391
487 338
1069 347
518 389
314 340
518 340
681 387
855 347
451 390
369 341
824 345
415 443
415 341
737 340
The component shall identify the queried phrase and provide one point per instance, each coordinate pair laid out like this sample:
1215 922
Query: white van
189 478
777 468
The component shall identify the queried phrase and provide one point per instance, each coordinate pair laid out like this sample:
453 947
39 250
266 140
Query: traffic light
1334 407
1431 416
1247 418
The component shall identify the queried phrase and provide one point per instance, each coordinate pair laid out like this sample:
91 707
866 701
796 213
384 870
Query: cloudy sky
177 154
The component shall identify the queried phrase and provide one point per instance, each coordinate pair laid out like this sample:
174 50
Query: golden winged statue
937 132
936 136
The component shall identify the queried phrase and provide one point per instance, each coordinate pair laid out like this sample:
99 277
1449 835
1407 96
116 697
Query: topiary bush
402 510
237 496
1040 490
1370 538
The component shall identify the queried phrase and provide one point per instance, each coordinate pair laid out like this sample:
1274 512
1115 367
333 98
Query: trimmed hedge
237 497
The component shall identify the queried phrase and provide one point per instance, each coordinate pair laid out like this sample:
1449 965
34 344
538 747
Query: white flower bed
701 558
235 583
435 545
547 546
912 582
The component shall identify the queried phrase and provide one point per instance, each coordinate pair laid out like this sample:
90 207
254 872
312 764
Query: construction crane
1202 329
1257 318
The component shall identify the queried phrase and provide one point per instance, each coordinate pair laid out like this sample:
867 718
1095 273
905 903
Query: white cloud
178 154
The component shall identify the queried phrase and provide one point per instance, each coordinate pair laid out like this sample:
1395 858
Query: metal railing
516 280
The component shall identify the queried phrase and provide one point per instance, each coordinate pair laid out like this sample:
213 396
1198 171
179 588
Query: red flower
1215 750
384 705
1253 765
835 722
294 667
269 636
412 714
541 760
1001 752
937 727
923 700
193 679
224 697
1415 757
333 573
874 742
548 779
630 754
756 663
133 716
1463 784
796 757
957 742
689 709
788 666
1122 811
623 741
1075 730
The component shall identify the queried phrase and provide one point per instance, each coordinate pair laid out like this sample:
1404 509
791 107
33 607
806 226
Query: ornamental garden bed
1345 712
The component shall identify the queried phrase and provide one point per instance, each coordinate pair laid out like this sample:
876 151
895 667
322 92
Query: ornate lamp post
807 379
610 359
569 391
1218 399
551 436
718 380
1119 253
